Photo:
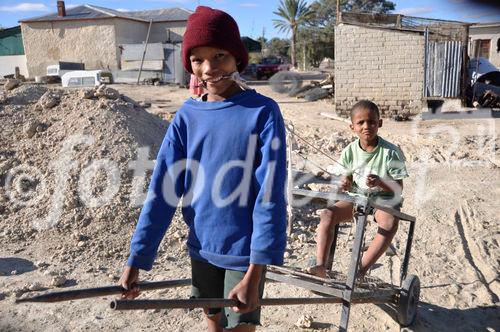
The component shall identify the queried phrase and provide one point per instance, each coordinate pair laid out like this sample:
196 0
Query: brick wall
385 66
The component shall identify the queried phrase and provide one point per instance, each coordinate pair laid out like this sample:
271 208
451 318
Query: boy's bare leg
213 322
329 218
387 228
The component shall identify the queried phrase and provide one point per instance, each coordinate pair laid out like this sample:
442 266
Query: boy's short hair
367 105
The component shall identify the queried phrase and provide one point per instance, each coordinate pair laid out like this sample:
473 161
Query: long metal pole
144 53
219 303
85 293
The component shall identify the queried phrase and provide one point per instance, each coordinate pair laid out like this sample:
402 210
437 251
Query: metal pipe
144 53
219 303
84 293
406 259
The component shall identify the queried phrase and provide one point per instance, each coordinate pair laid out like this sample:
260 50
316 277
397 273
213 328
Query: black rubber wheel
408 300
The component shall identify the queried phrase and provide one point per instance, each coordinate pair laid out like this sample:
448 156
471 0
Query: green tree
318 33
294 14
278 47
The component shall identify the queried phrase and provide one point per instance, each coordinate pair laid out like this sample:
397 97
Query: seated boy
373 167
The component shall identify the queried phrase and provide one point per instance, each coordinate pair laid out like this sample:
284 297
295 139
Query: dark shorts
209 281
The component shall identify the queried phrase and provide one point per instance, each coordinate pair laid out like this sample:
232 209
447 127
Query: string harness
235 76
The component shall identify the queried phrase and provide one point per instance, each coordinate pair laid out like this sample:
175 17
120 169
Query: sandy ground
453 191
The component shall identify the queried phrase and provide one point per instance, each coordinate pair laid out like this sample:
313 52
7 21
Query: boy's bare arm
247 290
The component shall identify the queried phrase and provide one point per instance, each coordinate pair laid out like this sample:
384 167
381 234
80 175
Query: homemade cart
345 290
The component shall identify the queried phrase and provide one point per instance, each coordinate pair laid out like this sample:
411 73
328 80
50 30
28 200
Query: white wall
492 33
8 63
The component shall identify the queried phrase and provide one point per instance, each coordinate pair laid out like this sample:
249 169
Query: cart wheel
408 300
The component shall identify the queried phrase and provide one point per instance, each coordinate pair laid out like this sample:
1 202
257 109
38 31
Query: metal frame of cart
346 292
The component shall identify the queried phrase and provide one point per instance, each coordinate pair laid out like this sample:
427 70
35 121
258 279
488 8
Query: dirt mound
65 167
25 94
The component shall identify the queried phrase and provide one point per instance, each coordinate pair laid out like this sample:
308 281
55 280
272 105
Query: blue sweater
227 160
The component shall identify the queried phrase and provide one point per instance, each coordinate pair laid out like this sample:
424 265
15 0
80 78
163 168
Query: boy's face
365 124
210 64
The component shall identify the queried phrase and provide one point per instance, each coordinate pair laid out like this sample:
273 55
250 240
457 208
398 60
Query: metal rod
406 259
426 60
144 54
76 294
219 303
353 267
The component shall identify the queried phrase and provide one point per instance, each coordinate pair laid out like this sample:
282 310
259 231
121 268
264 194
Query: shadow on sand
10 264
431 317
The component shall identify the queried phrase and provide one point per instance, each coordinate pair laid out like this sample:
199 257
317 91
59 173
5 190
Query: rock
3 97
304 321
58 281
11 84
30 128
13 273
109 93
49 99
86 94
302 238
41 264
144 104
36 286
286 255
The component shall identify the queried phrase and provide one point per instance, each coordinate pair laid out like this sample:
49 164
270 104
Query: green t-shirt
386 160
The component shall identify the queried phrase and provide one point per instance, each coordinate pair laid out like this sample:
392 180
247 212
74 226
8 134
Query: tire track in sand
472 251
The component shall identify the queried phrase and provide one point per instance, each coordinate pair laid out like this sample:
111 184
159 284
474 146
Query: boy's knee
327 218
388 223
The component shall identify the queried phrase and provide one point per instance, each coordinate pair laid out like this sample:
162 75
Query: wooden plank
335 117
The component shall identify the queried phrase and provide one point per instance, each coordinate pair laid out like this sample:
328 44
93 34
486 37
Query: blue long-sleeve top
227 160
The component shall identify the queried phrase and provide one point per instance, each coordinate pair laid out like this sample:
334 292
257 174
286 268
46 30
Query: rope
319 150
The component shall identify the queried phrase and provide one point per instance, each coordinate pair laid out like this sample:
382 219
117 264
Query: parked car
270 66
83 78
64 67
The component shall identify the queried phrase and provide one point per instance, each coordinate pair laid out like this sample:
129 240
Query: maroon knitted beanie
213 28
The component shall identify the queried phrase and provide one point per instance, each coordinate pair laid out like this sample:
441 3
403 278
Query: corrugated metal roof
160 15
90 12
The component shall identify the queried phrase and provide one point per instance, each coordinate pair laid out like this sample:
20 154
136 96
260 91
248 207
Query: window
484 48
75 81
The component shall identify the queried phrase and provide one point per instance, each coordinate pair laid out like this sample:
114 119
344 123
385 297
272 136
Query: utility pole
338 11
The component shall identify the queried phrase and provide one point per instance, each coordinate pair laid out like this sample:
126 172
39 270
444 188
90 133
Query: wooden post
144 54
17 73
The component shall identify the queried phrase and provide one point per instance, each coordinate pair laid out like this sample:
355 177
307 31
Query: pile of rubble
67 168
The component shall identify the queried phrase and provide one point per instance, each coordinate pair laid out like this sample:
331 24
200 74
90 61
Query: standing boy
225 155
374 167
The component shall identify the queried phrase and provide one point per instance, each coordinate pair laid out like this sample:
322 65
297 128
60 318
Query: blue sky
252 15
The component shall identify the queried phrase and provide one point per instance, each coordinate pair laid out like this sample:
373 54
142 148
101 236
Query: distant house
399 62
485 42
98 37
12 52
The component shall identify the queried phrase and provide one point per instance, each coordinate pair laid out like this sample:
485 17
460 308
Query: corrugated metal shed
90 12
11 41
444 64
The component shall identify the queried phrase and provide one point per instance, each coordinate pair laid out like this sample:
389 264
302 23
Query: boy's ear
351 126
380 123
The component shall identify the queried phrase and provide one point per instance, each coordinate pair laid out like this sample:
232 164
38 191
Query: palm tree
294 13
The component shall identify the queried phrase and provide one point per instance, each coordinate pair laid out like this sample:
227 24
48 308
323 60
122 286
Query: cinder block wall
385 66
91 42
